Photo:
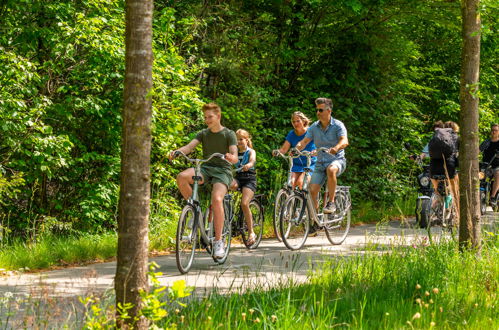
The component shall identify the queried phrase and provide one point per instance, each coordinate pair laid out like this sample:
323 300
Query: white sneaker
218 249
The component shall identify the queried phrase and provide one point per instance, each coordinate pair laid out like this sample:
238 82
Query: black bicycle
239 225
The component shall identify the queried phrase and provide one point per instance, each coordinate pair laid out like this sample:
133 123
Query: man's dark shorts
246 181
438 166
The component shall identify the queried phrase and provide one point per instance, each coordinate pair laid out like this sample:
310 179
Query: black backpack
443 144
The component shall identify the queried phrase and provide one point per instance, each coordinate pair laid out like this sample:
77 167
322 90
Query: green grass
53 250
420 287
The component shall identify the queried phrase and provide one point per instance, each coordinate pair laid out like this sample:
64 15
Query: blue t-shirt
301 162
327 138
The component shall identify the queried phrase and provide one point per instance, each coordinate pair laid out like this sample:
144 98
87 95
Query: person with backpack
443 150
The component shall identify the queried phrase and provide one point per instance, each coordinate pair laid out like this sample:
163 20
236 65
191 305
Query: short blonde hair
302 116
245 135
212 107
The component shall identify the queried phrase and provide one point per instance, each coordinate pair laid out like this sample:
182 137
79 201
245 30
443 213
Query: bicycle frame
194 199
312 211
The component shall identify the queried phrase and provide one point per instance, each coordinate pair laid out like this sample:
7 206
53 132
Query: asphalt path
271 265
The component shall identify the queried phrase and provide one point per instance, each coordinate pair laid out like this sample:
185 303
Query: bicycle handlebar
200 161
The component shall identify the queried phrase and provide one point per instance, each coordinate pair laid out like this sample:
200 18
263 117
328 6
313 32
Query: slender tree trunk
469 229
133 241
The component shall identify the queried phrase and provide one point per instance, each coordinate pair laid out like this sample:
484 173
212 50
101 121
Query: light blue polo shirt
327 138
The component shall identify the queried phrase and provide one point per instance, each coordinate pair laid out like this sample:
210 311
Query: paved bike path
272 264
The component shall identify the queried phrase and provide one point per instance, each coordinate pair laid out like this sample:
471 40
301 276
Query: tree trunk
133 241
469 229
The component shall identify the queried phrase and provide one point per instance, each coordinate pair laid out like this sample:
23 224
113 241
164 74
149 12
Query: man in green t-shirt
215 138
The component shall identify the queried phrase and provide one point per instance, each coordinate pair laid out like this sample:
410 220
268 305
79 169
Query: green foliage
391 68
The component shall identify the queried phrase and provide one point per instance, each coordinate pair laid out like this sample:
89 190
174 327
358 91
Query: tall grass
420 287
53 250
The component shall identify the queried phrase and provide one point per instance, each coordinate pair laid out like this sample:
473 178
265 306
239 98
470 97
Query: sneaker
314 230
329 208
218 249
251 239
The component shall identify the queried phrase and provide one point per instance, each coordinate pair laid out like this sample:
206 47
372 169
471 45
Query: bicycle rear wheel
294 223
281 197
337 224
435 219
257 213
185 245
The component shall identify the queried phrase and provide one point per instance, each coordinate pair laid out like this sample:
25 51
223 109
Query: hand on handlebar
294 152
231 158
174 154
276 152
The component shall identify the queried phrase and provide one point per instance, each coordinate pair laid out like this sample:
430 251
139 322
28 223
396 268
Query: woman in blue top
300 124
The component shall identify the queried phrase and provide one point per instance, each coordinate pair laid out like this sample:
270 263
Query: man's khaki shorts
213 175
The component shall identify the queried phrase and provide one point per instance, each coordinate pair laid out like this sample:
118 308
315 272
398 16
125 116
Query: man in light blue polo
329 133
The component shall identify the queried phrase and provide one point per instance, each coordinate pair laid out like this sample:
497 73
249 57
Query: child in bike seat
245 178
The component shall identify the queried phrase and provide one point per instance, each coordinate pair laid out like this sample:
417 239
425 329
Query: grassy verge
53 250
423 287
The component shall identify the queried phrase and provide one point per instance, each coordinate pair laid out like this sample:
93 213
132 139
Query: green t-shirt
217 142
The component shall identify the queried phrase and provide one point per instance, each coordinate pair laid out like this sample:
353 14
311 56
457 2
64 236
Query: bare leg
314 191
297 179
495 187
331 171
245 201
217 196
184 182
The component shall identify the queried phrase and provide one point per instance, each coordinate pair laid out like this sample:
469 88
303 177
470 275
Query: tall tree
133 241
469 229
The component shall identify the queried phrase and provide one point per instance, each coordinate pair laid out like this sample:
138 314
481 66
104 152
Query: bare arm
285 147
303 143
231 156
187 149
342 144
251 161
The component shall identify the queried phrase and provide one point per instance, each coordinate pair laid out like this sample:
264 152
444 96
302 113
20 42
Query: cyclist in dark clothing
489 148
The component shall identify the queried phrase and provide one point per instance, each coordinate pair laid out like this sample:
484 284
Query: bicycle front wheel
294 223
281 197
185 245
257 214
337 225
226 233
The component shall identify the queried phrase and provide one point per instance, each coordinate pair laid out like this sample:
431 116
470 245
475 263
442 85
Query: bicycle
443 211
281 197
299 212
486 183
240 227
193 226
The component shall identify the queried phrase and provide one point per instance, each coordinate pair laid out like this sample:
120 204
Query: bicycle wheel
257 212
450 219
294 223
435 219
281 197
226 232
425 213
208 229
186 239
337 224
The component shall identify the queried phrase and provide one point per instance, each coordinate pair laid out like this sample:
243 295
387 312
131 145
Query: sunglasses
321 110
